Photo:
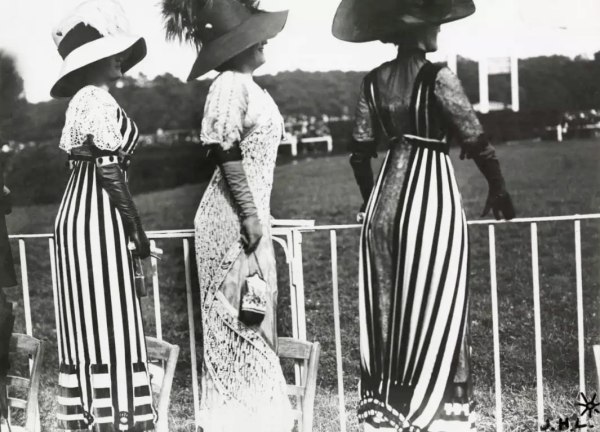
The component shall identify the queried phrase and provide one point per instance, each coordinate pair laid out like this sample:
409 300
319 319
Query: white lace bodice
234 106
92 111
239 112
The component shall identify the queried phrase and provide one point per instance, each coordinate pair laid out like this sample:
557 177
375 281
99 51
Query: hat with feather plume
369 20
94 30
222 29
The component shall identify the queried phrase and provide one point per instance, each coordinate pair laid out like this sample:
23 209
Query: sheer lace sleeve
363 128
225 109
460 116
92 111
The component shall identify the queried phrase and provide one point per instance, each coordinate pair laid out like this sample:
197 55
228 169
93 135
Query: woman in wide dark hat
104 384
413 270
243 387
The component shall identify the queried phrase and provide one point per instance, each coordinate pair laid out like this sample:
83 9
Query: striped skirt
104 383
413 307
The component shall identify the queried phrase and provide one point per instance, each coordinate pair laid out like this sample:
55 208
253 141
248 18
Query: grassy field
544 179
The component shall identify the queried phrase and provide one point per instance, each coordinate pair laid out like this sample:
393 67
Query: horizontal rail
573 217
308 226
276 224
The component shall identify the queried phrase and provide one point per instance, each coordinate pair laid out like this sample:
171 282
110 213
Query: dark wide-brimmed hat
369 20
221 29
94 30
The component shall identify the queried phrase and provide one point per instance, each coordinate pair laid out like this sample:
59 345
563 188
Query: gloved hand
141 242
251 233
112 179
500 204
498 200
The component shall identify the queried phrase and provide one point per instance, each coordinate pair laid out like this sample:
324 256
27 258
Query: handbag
253 306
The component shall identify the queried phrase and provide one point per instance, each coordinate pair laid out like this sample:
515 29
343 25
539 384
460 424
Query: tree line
553 83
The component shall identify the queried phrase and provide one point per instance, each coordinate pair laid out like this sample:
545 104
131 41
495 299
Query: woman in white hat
103 382
413 272
243 387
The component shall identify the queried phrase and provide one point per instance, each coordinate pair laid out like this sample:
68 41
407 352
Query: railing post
52 249
192 329
535 270
580 324
299 284
338 332
25 286
156 292
495 327
293 290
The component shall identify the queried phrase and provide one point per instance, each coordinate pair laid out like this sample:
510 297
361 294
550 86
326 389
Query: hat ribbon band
76 37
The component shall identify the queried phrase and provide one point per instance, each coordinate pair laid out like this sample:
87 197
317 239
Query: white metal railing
289 234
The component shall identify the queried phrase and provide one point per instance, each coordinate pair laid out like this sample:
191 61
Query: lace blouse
235 105
92 111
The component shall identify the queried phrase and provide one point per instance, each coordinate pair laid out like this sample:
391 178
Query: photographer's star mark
591 406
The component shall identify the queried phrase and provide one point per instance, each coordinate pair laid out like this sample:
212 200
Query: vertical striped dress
104 383
412 333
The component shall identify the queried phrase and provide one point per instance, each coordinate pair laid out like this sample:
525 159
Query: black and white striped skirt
104 383
405 374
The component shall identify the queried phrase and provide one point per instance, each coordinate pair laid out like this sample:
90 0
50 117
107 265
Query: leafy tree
12 102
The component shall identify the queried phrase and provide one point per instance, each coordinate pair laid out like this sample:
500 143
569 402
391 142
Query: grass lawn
544 179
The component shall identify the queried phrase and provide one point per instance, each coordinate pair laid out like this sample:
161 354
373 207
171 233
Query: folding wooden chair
305 354
24 346
162 374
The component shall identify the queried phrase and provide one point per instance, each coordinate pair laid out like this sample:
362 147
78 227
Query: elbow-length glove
232 168
360 161
112 179
498 200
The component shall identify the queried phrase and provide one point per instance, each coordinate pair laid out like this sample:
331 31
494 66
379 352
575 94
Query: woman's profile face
428 38
252 58
107 70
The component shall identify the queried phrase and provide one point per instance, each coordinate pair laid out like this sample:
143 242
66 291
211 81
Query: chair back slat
24 344
18 382
158 350
28 346
293 348
17 403
295 390
168 354
307 355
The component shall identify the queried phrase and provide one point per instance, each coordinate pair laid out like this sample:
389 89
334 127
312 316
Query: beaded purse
254 297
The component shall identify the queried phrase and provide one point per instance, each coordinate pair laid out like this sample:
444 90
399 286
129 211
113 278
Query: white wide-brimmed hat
95 30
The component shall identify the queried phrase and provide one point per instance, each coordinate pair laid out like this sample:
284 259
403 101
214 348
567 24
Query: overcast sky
499 27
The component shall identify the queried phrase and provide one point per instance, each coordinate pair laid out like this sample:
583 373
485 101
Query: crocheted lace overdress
243 385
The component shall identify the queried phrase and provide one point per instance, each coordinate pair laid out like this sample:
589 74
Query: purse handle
259 270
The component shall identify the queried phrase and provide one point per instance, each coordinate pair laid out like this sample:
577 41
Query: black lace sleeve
460 117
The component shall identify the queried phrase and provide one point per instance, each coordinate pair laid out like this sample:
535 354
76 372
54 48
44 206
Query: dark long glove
231 165
498 200
360 161
112 179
